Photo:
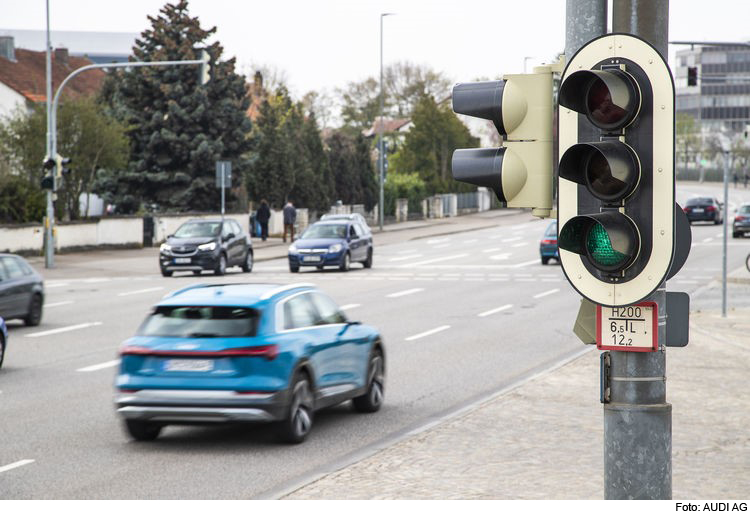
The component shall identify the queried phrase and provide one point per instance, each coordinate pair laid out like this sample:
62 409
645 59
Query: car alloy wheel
34 317
345 262
373 398
368 263
221 267
298 422
247 267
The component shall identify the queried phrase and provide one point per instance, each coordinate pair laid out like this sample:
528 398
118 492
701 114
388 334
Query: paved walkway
543 439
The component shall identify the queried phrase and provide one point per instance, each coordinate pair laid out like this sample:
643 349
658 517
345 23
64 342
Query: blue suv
337 242
246 353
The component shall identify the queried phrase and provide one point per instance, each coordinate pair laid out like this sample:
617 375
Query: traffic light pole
49 242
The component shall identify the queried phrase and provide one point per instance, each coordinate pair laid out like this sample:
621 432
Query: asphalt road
463 315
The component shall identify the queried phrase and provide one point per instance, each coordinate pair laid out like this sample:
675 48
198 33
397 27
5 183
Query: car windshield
325 231
745 209
699 201
198 230
200 321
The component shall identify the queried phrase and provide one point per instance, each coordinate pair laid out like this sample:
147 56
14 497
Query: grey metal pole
637 417
724 241
49 221
584 20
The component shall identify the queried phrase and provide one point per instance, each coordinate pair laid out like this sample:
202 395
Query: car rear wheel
247 266
34 316
142 431
545 260
221 267
345 262
372 400
299 418
368 262
2 350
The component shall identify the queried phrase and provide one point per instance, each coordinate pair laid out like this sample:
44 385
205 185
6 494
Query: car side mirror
229 236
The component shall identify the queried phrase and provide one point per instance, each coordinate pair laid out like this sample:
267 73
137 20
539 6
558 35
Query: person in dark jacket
262 216
290 216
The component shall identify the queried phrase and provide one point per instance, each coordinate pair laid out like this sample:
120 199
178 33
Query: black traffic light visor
481 167
608 240
609 169
481 99
610 99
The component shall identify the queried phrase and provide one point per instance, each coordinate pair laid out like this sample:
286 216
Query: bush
409 186
20 202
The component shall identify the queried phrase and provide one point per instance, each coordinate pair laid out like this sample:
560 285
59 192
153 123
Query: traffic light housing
616 211
48 176
62 171
692 72
520 171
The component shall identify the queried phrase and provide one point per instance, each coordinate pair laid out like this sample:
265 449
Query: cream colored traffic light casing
611 48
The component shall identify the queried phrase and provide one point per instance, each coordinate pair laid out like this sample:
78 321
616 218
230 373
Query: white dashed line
544 294
405 292
441 246
350 306
100 366
15 465
520 244
428 333
61 303
495 310
136 292
56 285
396 259
523 264
440 259
437 241
491 250
63 329
511 239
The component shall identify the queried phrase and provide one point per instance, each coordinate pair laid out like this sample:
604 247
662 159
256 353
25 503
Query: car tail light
686 209
267 351
134 350
739 218
710 208
549 241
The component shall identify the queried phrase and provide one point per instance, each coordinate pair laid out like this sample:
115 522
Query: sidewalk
544 439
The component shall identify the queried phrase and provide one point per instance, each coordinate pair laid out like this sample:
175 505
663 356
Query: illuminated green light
600 248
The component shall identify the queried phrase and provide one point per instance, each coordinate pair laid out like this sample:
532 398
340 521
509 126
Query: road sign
223 174
632 328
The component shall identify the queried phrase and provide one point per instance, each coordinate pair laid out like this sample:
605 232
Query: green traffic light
600 247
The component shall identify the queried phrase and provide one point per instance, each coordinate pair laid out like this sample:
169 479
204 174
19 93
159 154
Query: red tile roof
26 75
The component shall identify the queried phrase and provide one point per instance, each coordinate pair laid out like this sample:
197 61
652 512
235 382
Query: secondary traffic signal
692 76
616 172
520 171
62 170
48 177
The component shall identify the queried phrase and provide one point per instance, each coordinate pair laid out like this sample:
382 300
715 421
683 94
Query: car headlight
334 248
207 247
165 248
293 248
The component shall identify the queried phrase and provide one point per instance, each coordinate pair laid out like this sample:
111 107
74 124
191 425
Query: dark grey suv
212 245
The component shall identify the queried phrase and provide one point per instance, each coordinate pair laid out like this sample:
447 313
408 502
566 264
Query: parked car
212 245
3 340
332 243
741 222
21 290
246 353
548 245
350 216
703 209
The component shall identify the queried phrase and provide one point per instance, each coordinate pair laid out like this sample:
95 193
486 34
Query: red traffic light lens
604 112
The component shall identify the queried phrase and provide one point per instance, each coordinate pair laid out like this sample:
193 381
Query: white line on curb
428 332
405 292
495 310
15 465
135 292
63 329
544 294
100 366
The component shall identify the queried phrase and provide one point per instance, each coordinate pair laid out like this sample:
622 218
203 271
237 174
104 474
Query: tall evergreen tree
352 172
179 128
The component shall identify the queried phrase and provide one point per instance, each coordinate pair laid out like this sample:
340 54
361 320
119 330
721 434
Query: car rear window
745 209
551 230
200 321
699 201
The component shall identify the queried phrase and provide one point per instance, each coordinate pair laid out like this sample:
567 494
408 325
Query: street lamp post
381 154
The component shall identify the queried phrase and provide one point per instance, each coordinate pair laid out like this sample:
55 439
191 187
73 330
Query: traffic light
520 172
48 177
62 171
616 210
692 76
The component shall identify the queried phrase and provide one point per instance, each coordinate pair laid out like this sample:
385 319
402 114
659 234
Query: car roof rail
285 287
186 288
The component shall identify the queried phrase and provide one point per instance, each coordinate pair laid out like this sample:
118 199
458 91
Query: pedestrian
262 216
290 216
734 177
746 178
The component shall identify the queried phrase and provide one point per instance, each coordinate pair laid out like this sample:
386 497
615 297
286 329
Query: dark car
21 290
703 209
3 340
741 223
548 245
213 354
212 245
332 243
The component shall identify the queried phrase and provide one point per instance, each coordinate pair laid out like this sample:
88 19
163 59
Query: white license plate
311 259
189 365
697 210
182 260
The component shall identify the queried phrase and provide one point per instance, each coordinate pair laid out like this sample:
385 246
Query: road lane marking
709 239
350 306
511 239
428 333
470 241
527 263
544 294
135 292
495 310
440 259
440 246
56 285
396 259
491 250
501 256
405 292
520 244
438 241
63 329
61 303
100 366
15 465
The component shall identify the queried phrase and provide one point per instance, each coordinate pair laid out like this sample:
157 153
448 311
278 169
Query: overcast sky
322 44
